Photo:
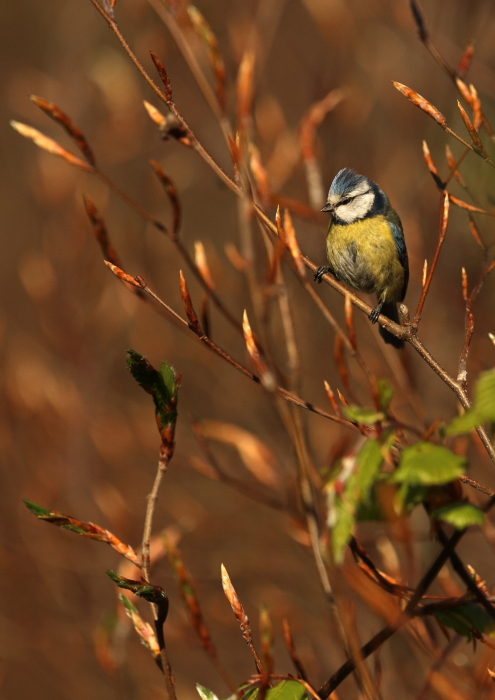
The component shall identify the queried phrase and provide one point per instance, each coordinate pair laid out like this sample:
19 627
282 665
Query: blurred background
78 435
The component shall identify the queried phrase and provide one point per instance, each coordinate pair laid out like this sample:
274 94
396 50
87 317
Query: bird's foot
373 317
320 271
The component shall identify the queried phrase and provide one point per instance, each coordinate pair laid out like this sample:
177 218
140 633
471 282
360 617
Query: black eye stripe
346 200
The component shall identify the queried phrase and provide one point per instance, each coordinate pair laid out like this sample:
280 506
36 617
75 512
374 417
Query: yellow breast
364 255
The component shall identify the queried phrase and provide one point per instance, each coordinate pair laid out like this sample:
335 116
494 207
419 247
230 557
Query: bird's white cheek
356 209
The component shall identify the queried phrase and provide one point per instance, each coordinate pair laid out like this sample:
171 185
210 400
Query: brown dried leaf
312 120
202 264
155 115
349 322
476 141
425 274
164 77
123 275
49 145
61 118
189 596
101 233
188 306
293 244
465 61
259 174
171 191
144 630
254 352
258 459
469 207
205 32
431 167
422 103
245 90
331 398
453 166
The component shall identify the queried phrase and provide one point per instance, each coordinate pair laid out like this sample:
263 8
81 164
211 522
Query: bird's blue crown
346 180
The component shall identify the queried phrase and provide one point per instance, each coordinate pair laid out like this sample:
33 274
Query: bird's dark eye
346 200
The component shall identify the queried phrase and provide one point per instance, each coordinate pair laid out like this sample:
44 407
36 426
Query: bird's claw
320 271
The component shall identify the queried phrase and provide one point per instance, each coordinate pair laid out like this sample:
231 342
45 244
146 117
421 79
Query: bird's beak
327 207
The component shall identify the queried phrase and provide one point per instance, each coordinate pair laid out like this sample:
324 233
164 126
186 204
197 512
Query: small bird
365 245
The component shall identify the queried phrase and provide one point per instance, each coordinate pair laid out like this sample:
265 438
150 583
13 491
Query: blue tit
365 245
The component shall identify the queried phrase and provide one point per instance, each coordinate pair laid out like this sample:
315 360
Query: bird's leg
320 271
373 317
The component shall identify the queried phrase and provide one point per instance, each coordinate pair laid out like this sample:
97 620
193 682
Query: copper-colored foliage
188 306
205 32
202 264
171 191
259 174
475 233
469 207
90 530
240 614
61 118
101 233
453 166
432 167
312 120
349 322
188 594
144 630
245 79
258 459
164 77
292 243
465 62
422 103
331 398
49 145
252 347
289 643
477 144
123 275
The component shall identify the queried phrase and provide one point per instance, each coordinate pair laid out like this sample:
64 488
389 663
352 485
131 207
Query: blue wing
400 244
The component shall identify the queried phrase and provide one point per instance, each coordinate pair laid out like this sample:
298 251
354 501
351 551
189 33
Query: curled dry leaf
469 207
164 77
100 231
171 191
453 166
61 118
465 61
122 275
432 167
49 145
477 144
188 306
422 103
258 459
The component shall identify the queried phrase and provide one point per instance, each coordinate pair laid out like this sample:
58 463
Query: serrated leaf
460 515
205 694
466 618
385 393
426 464
483 408
366 416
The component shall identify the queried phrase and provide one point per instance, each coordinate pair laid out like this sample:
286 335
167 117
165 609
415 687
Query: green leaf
466 618
369 461
153 594
127 603
285 690
35 509
204 693
59 519
344 514
385 393
460 515
162 385
344 503
366 416
427 465
483 408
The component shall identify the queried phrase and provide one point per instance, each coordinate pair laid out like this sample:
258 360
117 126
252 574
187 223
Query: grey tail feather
390 309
